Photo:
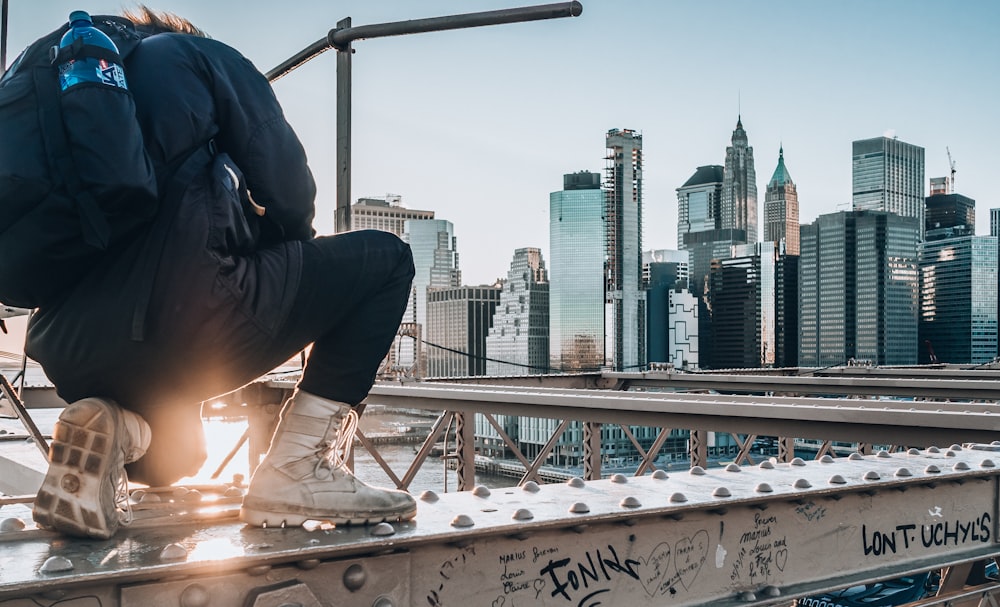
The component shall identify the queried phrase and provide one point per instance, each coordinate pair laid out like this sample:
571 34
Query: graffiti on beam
666 569
940 534
762 553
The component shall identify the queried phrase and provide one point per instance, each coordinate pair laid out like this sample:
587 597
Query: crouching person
226 283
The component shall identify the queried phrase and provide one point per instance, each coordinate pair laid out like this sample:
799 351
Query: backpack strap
77 50
94 225
177 183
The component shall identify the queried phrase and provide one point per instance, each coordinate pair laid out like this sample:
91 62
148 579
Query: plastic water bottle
89 69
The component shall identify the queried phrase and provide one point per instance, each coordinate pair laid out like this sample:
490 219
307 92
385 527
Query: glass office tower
435 259
858 289
958 300
576 278
888 175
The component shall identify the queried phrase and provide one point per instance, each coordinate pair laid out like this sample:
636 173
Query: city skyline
480 125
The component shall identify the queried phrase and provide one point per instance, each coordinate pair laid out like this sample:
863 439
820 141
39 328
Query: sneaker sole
77 496
263 516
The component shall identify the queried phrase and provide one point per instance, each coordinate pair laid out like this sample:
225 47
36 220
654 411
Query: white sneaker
85 491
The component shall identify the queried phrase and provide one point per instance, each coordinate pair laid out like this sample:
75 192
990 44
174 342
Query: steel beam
736 536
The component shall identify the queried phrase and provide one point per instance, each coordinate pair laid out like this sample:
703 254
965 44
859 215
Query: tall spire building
781 208
625 299
739 186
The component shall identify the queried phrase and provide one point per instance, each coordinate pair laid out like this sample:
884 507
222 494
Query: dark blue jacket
218 276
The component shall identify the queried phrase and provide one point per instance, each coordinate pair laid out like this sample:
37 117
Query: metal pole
342 37
343 216
3 37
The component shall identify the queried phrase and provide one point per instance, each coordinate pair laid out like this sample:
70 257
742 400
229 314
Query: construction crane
951 163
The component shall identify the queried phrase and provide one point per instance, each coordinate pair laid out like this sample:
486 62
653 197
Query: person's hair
158 22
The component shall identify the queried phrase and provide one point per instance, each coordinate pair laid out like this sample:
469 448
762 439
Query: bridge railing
647 418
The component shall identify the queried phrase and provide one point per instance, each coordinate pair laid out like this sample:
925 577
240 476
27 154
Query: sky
480 125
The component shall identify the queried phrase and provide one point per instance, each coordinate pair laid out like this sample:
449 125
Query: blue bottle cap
80 16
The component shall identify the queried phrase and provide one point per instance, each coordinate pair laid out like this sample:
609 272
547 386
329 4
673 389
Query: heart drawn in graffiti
691 554
780 559
539 585
499 601
651 570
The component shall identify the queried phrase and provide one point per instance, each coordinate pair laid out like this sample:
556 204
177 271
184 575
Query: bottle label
113 74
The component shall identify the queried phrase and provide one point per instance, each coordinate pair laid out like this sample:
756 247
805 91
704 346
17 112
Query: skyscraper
458 321
888 175
435 260
698 204
625 335
739 186
672 317
743 308
387 214
781 208
949 216
519 335
958 290
786 311
858 289
995 232
958 300
682 339
576 277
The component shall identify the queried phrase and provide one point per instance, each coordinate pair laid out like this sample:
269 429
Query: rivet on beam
56 564
173 552
462 520
383 530
522 514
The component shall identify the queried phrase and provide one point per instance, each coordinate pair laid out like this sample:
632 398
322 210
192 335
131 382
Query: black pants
350 300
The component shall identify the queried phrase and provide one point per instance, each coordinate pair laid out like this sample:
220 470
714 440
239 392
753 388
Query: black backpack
75 180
